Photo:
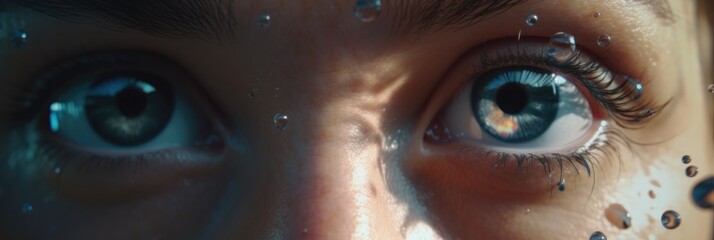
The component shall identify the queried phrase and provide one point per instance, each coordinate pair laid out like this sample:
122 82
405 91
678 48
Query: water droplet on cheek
264 20
604 41
598 236
367 10
691 171
686 159
280 121
27 208
703 193
711 88
531 20
561 47
671 219
596 14
618 216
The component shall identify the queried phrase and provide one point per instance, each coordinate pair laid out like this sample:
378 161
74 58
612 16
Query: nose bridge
342 190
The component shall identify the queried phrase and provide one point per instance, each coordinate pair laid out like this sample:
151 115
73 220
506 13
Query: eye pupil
512 98
131 101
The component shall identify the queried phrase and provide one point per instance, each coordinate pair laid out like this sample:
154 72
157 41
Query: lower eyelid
107 177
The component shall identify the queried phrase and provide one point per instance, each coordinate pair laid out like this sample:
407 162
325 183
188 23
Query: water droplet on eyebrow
561 47
618 216
264 20
27 208
561 185
531 20
19 38
703 193
604 41
691 171
711 88
367 10
280 121
686 159
597 235
671 219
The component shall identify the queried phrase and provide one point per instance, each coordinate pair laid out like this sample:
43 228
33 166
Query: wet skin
353 161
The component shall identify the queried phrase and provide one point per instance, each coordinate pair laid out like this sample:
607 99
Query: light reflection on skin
356 106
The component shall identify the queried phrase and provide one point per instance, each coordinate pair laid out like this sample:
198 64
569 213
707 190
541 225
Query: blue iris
516 104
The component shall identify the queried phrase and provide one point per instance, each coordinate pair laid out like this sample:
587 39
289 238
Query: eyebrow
215 19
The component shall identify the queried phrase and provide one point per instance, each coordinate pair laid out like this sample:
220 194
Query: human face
186 119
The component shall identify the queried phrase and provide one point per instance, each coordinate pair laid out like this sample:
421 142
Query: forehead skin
351 88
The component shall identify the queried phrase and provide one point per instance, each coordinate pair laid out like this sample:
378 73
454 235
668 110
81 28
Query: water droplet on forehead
367 10
703 193
26 208
618 216
604 41
691 171
561 185
711 88
671 219
19 38
597 235
280 121
561 47
531 19
686 159
264 20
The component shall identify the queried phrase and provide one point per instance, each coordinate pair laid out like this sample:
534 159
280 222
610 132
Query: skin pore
353 161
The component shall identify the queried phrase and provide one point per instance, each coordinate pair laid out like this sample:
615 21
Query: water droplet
367 10
531 19
264 20
26 208
686 159
561 185
711 88
703 193
691 171
604 41
671 219
19 38
528 210
618 216
561 47
253 92
631 86
652 194
597 235
596 14
280 121
57 170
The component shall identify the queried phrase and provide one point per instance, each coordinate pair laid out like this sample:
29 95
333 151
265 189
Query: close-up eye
356 119
520 107
125 116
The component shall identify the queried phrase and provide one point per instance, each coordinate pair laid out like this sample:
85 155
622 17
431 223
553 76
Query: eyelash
621 100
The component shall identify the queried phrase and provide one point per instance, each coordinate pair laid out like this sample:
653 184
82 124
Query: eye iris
515 104
129 109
